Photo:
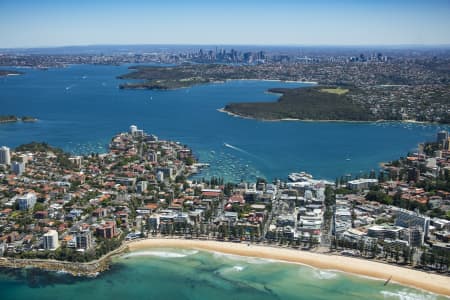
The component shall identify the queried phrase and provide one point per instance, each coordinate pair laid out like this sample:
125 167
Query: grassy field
336 91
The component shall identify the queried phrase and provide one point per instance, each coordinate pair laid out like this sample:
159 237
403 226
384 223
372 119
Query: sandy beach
422 280
222 110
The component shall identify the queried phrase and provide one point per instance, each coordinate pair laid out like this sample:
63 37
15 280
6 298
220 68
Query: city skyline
319 23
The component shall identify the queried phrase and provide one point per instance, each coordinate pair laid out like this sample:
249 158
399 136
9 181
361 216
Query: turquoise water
81 107
188 274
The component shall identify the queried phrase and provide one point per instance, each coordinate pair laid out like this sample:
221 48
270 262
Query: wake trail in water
70 87
236 148
244 152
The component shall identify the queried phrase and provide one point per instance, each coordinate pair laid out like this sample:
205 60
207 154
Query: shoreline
409 277
125 85
272 80
222 110
430 282
88 269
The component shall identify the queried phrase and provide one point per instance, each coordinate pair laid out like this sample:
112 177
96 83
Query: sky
45 23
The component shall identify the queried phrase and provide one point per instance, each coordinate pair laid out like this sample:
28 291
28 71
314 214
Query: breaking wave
163 254
233 269
250 260
407 295
321 274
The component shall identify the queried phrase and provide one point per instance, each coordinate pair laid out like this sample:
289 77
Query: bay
81 107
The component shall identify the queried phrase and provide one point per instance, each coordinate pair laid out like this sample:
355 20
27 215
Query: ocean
81 107
188 274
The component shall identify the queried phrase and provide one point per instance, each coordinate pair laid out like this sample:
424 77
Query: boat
299 177
201 165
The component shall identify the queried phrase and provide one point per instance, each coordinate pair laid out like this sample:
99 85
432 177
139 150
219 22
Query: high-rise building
416 237
133 129
5 156
410 219
135 132
84 239
18 167
26 201
152 156
50 240
107 230
442 137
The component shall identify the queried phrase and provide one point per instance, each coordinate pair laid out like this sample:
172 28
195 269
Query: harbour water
81 107
189 274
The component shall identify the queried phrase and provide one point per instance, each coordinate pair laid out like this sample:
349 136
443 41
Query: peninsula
374 90
312 103
13 119
9 73
186 75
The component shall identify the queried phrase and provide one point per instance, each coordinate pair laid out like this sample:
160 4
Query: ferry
300 177
201 165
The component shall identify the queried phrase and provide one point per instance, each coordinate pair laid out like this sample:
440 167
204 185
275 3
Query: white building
5 156
361 184
409 219
26 201
51 240
135 132
160 176
133 129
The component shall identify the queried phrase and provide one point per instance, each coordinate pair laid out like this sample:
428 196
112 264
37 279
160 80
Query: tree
38 207
189 161
379 196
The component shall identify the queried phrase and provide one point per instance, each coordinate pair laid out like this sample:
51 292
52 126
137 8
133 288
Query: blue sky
38 23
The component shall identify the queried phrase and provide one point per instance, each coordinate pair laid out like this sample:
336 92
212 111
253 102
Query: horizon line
437 45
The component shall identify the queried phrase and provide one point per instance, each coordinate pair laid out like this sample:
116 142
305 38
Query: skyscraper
5 156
